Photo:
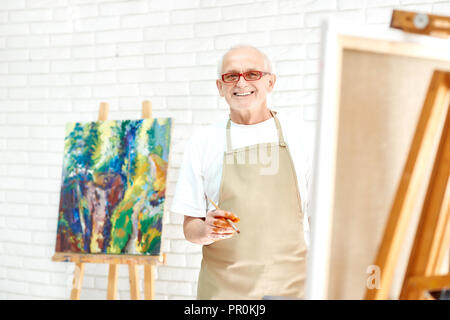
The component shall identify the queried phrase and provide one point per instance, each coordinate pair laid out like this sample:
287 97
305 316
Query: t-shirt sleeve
189 198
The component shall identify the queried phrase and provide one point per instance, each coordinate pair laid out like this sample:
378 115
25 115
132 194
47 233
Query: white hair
267 63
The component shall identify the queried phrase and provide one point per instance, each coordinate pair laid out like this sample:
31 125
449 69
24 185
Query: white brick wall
59 59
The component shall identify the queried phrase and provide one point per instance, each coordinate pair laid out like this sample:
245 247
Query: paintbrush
228 220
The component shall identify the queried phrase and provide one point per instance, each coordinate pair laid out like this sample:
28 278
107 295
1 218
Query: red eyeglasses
251 75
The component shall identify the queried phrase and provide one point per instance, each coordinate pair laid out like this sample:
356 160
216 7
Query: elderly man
243 164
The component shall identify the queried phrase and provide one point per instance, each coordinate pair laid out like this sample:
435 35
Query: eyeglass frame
262 73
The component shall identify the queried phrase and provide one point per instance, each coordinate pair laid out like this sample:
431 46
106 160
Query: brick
27 250
84 65
49 291
30 15
193 260
50 106
147 47
191 73
49 80
12 4
315 19
29 67
257 39
97 24
50 185
213 29
189 45
170 60
192 102
123 8
184 246
31 197
173 231
7 209
203 88
14 157
14 29
139 76
49 53
351 4
29 276
145 20
47 132
51 27
18 287
94 51
291 6
12 183
441 8
378 15
27 170
73 39
169 32
163 89
75 12
13 80
27 119
244 11
44 264
294 21
119 36
117 90
13 55
118 63
16 235
45 238
28 41
70 92
208 116
284 83
195 16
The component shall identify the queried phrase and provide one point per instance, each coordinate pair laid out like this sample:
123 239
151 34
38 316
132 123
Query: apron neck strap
277 123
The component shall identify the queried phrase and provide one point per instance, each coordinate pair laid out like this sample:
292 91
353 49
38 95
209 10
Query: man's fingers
221 223
221 236
222 230
221 214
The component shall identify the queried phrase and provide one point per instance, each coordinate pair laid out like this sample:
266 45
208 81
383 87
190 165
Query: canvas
113 186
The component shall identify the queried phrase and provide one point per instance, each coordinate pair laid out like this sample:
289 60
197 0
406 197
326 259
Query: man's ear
272 80
219 85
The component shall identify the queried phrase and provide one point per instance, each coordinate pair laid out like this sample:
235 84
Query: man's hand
210 229
217 227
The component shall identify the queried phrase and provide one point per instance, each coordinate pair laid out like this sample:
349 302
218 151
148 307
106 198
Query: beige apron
268 257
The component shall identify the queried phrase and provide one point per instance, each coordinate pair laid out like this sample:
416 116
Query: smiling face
245 95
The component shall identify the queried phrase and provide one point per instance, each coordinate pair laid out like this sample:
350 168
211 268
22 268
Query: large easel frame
133 261
432 238
433 233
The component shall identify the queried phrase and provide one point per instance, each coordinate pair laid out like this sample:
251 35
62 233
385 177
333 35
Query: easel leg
112 282
77 281
134 281
149 282
428 250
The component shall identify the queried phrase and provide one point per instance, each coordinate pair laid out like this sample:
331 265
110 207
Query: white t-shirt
201 168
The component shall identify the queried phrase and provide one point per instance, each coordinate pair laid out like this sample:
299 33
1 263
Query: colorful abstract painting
113 186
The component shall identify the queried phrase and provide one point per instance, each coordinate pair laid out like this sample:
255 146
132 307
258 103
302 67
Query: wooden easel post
435 214
149 262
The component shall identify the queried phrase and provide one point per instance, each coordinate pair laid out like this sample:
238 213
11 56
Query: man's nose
241 82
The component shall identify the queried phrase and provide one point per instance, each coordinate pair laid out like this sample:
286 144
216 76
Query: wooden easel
421 23
432 238
149 262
